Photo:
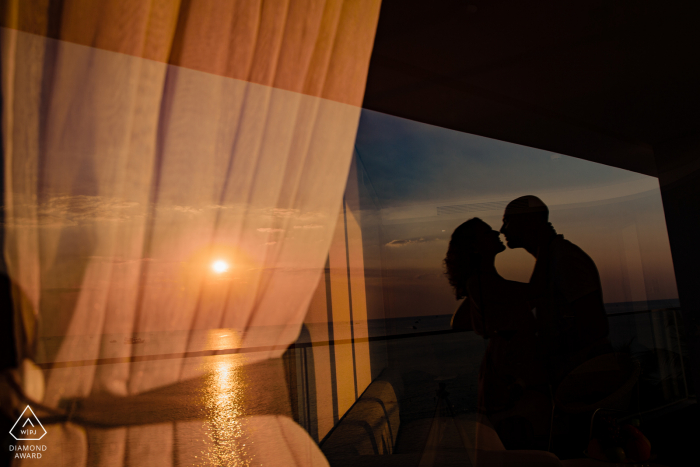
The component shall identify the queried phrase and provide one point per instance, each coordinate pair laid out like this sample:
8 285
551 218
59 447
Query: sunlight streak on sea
224 398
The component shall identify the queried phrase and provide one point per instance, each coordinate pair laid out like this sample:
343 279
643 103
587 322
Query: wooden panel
359 301
342 331
317 324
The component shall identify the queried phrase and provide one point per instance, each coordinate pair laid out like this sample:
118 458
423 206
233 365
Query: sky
427 180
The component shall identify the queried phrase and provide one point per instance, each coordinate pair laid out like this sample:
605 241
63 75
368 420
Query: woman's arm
461 319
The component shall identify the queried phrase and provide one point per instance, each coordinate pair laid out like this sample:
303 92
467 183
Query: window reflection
410 186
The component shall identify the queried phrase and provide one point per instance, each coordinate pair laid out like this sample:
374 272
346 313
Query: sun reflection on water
225 401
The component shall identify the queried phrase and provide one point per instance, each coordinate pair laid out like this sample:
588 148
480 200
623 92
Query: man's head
523 221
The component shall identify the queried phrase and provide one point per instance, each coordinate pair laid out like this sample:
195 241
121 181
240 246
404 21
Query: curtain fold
143 142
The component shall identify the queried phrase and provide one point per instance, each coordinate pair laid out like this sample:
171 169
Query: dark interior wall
678 164
595 79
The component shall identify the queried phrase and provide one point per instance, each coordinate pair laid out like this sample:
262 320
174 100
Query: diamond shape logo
28 427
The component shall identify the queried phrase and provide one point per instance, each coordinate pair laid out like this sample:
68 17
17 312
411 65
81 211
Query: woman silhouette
513 392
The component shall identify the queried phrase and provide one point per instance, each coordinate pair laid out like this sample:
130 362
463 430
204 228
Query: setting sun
220 266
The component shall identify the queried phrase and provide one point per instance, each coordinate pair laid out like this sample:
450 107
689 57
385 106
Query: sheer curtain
145 141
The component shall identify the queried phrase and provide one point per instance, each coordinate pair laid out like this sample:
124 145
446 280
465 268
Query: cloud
312 215
188 209
282 212
410 241
289 213
76 210
66 210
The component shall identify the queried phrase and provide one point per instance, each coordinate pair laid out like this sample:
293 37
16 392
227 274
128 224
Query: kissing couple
537 331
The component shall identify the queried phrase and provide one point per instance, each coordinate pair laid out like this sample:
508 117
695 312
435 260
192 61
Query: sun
220 266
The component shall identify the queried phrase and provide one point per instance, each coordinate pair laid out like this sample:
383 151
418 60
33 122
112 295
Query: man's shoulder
563 247
565 254
572 269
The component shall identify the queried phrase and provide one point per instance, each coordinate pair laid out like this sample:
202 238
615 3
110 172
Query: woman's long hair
461 260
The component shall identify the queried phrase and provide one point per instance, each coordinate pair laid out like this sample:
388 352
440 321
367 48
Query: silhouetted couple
539 331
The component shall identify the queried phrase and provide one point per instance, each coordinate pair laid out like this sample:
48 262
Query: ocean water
653 336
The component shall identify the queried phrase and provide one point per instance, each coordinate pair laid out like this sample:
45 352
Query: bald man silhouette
565 289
